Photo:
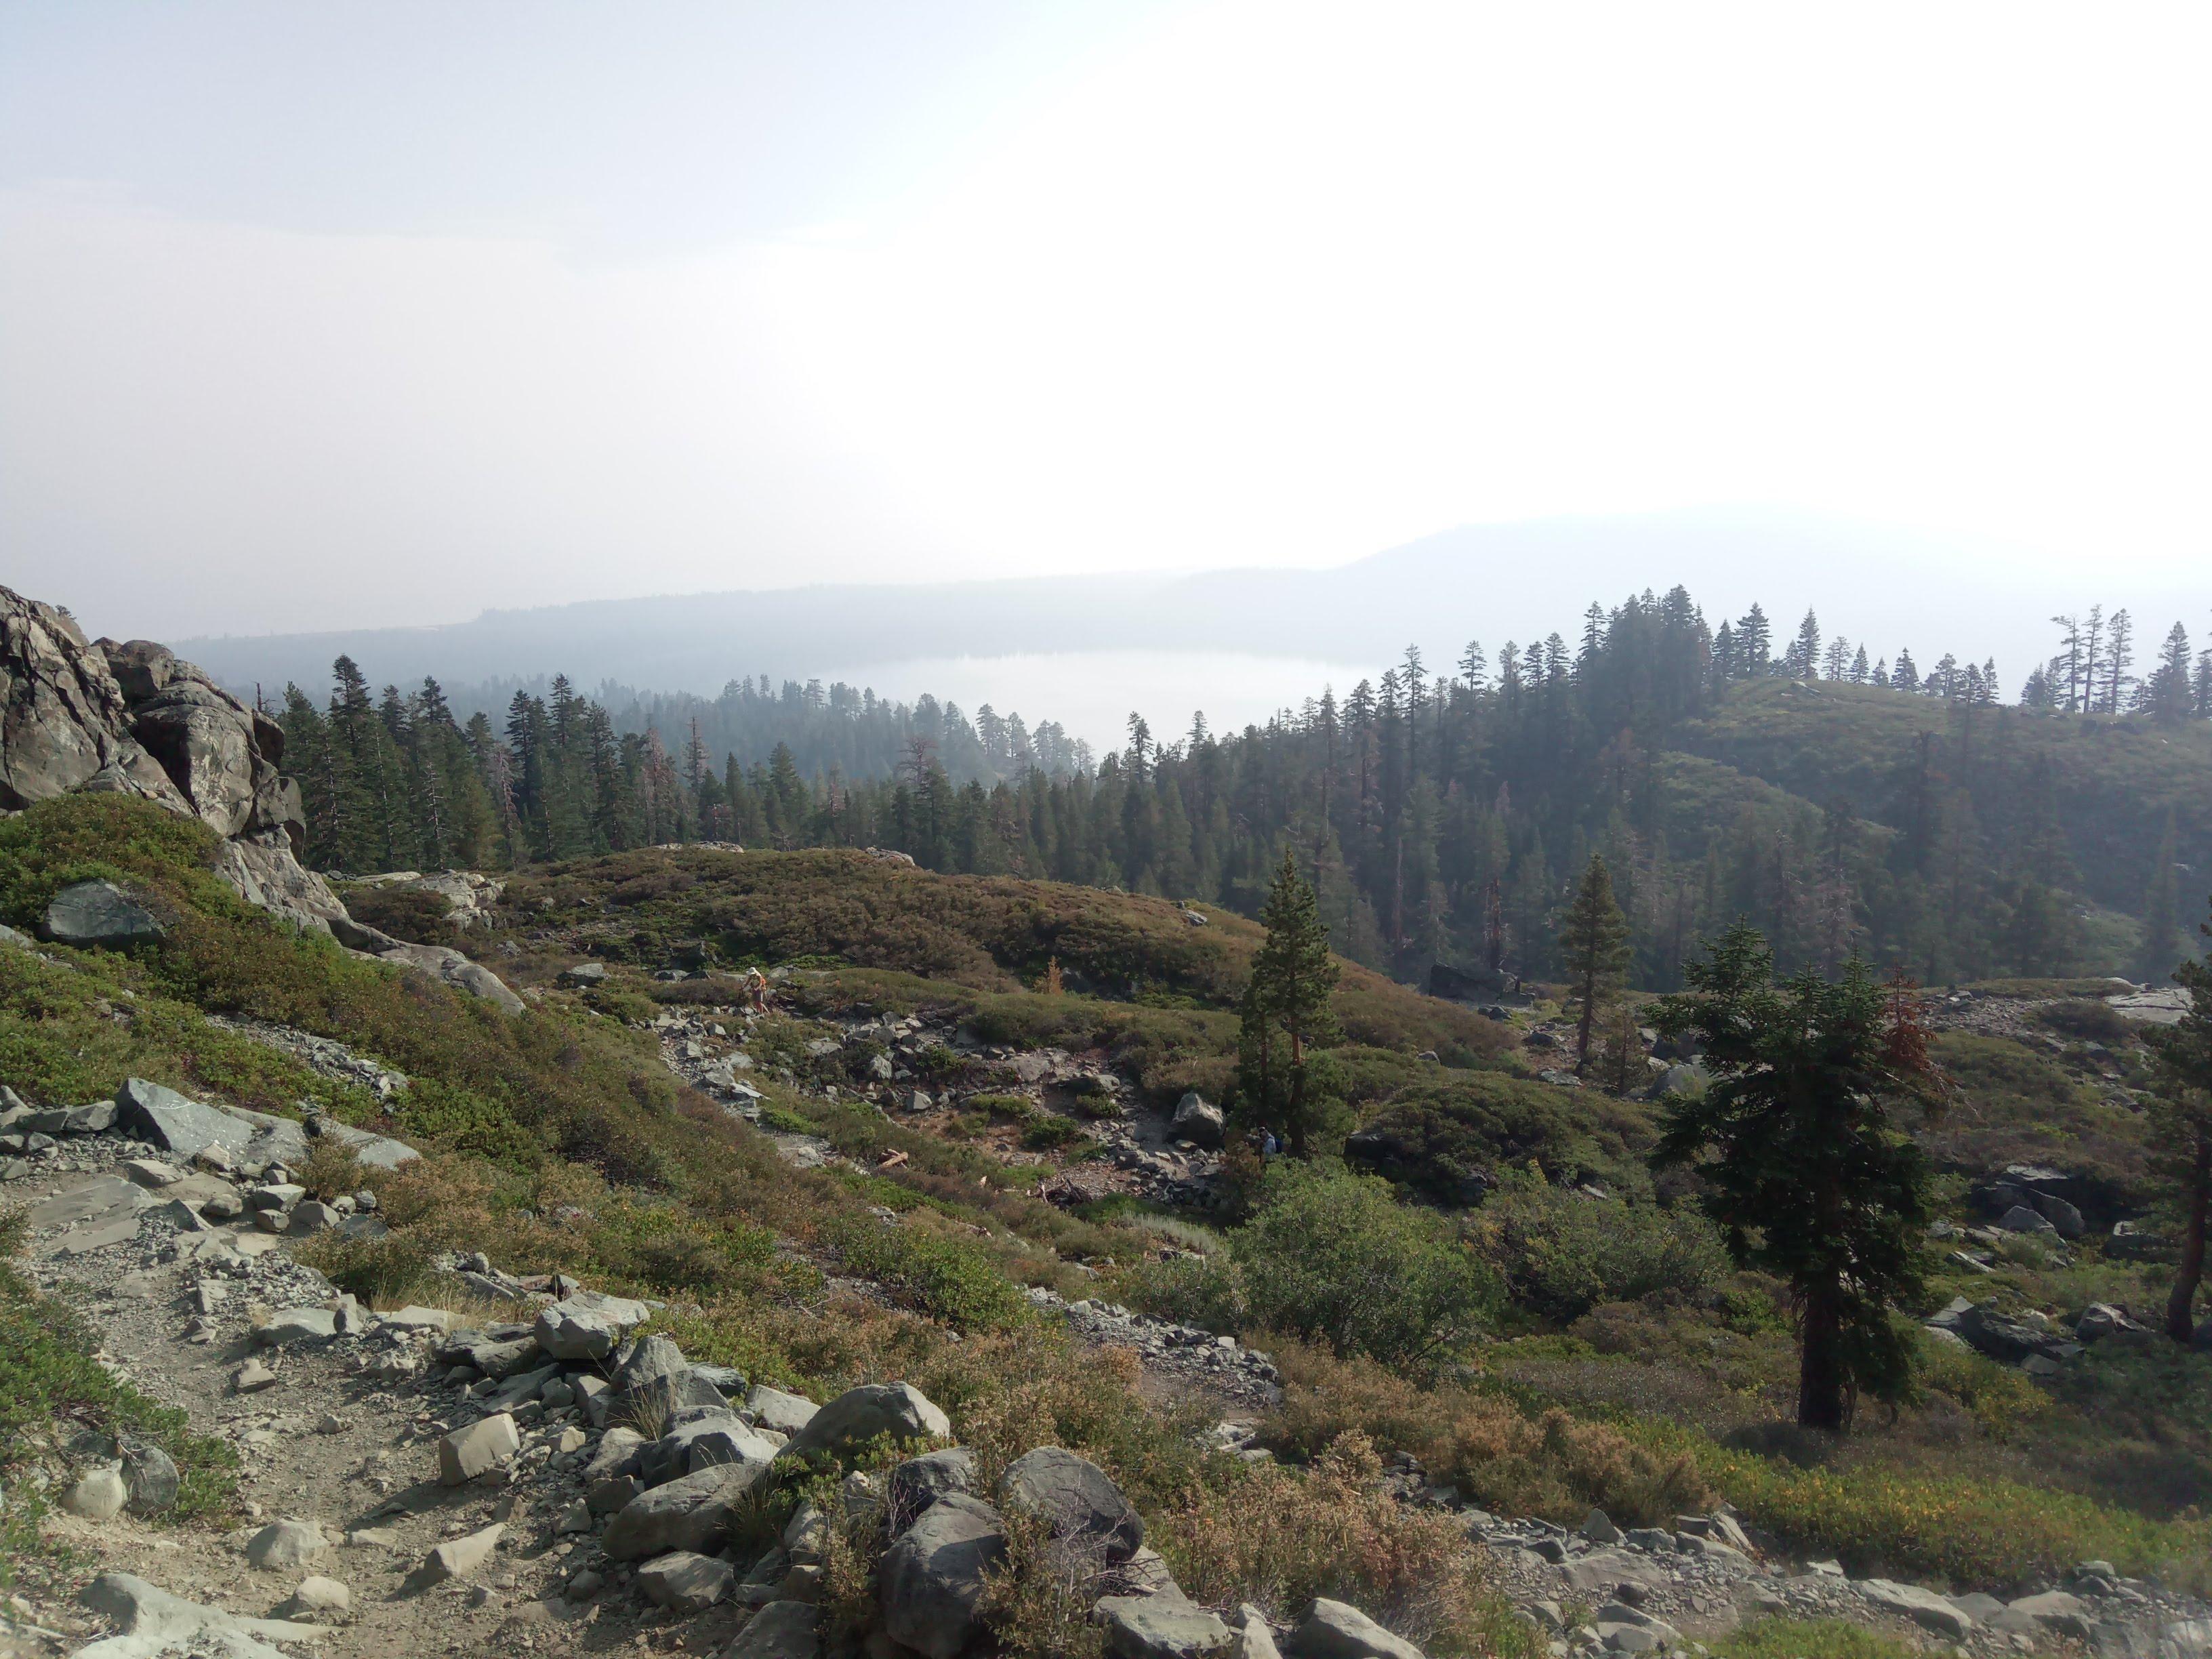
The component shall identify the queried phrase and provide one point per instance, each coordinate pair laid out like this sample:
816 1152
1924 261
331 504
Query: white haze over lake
1093 693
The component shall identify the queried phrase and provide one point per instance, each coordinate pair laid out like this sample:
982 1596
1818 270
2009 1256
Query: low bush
1561 1252
1336 1258
1207 1291
1281 1537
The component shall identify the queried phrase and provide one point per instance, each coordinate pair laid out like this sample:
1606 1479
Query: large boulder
692 1513
99 915
655 1384
685 1583
151 1620
1198 1120
707 1438
916 1484
897 1411
1337 1629
1923 1607
780 1629
1160 1627
932 1579
588 1325
1087 1514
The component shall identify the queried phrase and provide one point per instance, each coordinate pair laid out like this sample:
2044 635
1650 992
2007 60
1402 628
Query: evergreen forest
1444 813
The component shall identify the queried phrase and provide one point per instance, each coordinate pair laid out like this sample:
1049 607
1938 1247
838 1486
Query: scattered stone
318 1594
1923 1607
1160 1627
488 1443
457 1558
685 1583
154 1622
96 1495
285 1546
149 1474
690 1513
917 1483
1598 1529
1197 1121
772 1408
253 1377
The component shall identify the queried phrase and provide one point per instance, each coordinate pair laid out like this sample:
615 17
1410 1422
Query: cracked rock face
77 714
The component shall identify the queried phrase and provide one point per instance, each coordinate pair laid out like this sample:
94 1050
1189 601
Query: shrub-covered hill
2105 785
1587 1350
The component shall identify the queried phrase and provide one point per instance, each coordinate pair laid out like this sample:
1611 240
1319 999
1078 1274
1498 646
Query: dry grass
1552 1464
1280 1537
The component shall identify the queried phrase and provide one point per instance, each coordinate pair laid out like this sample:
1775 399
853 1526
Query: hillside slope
815 1224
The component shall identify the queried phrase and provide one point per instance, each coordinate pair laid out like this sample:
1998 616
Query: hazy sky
351 314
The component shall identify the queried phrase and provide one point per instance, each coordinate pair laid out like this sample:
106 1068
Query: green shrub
1562 1253
1207 1291
947 1278
1054 1133
1336 1258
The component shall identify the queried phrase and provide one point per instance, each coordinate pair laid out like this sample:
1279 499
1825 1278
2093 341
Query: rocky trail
463 1479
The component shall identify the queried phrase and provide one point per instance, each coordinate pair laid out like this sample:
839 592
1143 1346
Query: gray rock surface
488 1443
285 1546
1084 1509
1923 1607
149 1476
1198 1120
857 1415
1337 1629
780 1629
588 1325
772 1408
457 1558
931 1580
151 1621
914 1486
683 1581
1160 1627
96 1495
692 1512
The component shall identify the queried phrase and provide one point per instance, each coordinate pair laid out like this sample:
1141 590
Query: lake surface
1092 693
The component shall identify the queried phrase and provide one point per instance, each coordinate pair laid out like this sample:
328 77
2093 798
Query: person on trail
757 990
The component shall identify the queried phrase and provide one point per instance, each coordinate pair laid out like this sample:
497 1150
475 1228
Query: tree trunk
2180 1323
1590 1018
1820 1362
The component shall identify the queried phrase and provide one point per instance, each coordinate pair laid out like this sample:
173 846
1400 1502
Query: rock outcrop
93 716
79 714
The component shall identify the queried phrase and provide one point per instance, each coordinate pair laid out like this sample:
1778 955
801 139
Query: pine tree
1593 949
2182 1116
1284 1082
1808 1173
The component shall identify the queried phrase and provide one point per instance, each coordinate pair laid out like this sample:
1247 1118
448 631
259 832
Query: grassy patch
48 1378
1809 1639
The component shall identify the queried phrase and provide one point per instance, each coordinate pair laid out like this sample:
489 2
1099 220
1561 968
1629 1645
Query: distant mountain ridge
1891 587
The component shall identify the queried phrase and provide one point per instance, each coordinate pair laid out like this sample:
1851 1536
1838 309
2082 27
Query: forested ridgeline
1840 804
